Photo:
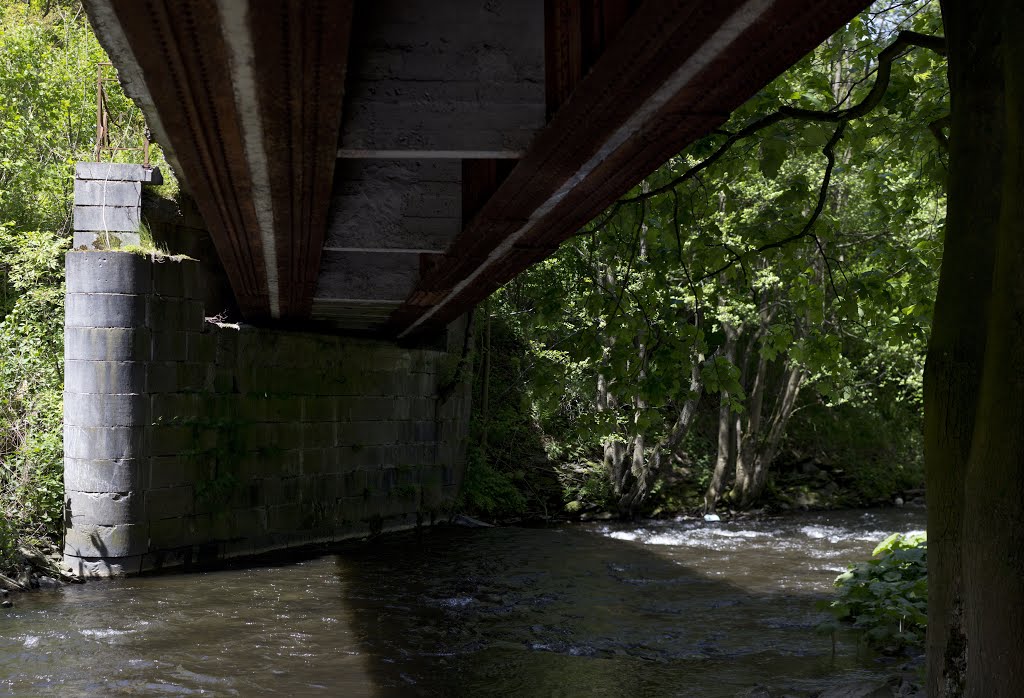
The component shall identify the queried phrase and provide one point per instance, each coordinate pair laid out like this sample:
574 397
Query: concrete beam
367 276
395 205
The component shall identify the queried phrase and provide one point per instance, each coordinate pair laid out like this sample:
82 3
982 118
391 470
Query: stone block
269 491
161 377
318 434
316 461
367 408
227 345
269 542
92 240
201 347
281 463
168 533
354 483
286 435
121 540
284 518
177 440
109 222
176 408
195 377
104 310
170 346
424 431
250 522
195 283
170 314
118 172
108 377
251 408
105 443
282 409
104 508
318 409
166 559
125 475
168 279
174 471
199 528
106 410
224 381
90 567
368 433
108 272
170 502
106 344
422 407
107 193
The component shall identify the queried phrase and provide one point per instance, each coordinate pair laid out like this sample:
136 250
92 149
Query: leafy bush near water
886 596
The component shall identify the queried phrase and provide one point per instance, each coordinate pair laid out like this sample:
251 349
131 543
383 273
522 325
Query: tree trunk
647 474
486 389
748 430
974 376
726 455
757 439
614 450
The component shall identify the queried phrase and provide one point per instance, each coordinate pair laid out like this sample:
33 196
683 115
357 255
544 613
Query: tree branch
905 41
829 151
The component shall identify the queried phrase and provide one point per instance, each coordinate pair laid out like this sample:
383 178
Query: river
659 608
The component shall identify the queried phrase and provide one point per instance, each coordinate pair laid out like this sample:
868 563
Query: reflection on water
656 609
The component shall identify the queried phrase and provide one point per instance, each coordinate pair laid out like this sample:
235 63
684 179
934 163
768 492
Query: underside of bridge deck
383 166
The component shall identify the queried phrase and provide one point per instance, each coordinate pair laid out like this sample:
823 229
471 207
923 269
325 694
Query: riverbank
29 567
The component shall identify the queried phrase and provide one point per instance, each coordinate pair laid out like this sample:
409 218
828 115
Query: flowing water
666 608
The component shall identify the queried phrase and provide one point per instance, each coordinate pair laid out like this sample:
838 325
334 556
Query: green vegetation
887 596
48 59
748 325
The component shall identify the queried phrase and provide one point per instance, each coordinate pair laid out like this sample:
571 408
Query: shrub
887 596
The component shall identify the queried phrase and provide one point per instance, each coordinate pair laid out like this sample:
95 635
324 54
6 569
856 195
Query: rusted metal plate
249 97
182 53
301 51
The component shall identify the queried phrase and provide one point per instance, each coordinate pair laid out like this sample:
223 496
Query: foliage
887 596
795 270
490 492
48 62
507 473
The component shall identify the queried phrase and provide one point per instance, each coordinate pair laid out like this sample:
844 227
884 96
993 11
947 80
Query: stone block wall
108 203
188 440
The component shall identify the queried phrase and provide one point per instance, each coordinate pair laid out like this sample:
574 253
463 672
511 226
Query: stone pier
187 439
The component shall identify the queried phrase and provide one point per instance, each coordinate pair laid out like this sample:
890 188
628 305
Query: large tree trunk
974 378
759 439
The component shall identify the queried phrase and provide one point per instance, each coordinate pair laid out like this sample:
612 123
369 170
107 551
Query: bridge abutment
187 439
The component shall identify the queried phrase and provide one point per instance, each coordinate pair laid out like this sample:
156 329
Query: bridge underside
382 167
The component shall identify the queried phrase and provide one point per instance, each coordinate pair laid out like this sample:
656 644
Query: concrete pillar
108 203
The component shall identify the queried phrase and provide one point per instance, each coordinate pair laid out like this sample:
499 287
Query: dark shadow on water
570 612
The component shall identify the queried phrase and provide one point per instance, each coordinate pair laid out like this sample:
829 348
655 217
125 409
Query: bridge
363 174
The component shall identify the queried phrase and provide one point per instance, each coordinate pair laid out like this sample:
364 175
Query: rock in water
712 517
